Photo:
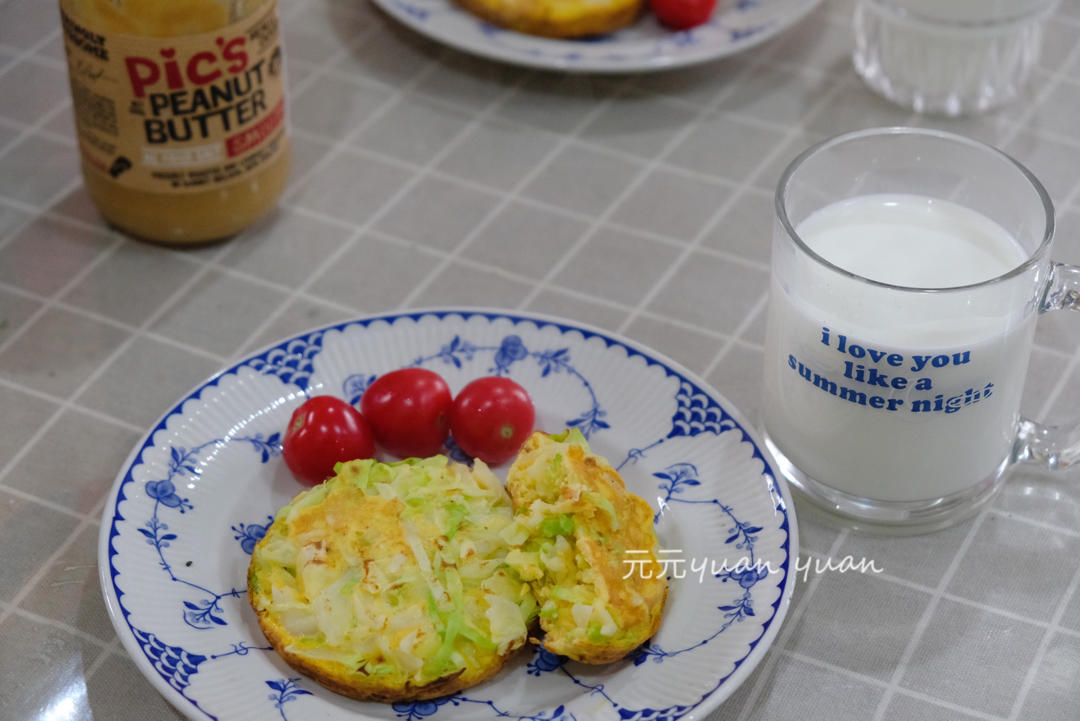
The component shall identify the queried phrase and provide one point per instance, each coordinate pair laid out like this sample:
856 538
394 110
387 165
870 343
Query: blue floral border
292 361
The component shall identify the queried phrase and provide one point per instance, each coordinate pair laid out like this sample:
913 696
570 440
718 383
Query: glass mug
908 269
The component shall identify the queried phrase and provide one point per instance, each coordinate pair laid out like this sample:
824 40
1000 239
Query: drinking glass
948 56
894 405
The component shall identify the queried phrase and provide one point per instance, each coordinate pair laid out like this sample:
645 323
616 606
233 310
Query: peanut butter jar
180 112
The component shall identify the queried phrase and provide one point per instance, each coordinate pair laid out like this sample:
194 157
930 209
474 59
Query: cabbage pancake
587 547
557 18
389 581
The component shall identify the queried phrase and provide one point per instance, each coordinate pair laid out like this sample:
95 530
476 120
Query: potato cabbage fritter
389 581
576 527
558 18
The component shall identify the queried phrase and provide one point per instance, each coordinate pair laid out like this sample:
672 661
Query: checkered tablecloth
641 204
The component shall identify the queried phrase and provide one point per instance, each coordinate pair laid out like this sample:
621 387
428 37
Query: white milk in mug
888 400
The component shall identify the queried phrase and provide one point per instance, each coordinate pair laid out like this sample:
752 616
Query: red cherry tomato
321 432
408 410
682 14
491 418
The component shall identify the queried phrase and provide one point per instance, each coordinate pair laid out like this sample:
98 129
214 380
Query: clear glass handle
1052 447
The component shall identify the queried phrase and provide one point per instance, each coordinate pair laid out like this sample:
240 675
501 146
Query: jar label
178 114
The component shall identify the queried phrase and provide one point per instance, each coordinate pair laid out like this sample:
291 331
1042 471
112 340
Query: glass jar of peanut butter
180 111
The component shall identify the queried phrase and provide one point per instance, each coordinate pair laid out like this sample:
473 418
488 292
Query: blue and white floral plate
736 25
200 489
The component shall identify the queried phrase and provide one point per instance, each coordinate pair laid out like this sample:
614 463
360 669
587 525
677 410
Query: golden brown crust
595 654
354 686
557 18
335 677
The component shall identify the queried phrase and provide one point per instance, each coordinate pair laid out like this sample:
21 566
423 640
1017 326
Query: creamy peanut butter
180 111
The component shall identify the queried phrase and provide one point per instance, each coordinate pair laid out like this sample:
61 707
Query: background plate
198 491
736 25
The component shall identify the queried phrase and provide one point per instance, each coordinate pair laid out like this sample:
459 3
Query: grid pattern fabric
637 203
